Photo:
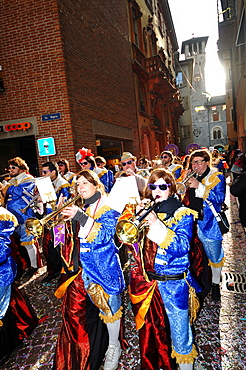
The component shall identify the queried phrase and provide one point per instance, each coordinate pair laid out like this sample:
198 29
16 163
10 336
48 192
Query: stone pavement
219 330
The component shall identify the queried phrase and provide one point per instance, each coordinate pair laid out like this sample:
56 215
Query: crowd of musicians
171 254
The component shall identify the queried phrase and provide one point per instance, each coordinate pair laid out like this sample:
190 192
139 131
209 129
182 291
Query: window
179 79
142 97
135 27
184 132
215 115
217 133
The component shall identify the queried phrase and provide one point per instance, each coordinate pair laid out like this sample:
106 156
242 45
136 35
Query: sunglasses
83 163
164 156
12 167
61 164
46 171
161 186
125 163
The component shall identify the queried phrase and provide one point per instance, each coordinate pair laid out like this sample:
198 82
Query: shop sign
111 152
21 126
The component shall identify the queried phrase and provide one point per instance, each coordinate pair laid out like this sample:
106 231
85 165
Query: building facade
204 121
159 104
68 72
232 53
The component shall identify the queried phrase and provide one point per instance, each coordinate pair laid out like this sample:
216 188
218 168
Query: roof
193 41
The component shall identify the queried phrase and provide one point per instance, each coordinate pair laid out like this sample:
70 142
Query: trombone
35 227
129 230
181 187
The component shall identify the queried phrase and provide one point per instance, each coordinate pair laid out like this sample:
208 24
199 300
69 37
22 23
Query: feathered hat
82 153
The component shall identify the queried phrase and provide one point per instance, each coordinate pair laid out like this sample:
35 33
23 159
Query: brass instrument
35 226
5 174
129 230
30 204
180 186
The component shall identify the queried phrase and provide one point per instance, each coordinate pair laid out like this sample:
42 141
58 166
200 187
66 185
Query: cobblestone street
219 330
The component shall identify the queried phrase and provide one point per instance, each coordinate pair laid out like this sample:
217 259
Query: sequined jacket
98 252
212 188
8 222
17 199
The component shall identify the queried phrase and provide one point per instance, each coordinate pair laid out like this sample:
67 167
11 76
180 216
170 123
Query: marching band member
62 190
129 168
17 321
101 277
209 185
167 163
65 172
106 176
19 192
164 266
86 160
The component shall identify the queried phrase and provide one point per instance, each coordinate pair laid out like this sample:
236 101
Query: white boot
186 366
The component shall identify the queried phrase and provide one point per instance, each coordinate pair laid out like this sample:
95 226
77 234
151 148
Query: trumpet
5 174
35 227
181 187
129 230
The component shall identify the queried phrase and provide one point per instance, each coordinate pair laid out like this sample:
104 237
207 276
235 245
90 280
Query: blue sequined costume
99 254
173 237
212 188
8 223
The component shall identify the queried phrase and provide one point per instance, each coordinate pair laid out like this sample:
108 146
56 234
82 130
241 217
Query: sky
198 18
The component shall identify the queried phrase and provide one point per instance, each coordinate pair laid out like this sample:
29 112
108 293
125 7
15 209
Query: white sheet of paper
46 189
123 189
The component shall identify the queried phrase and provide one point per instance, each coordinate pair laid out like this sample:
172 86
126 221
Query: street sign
46 146
50 117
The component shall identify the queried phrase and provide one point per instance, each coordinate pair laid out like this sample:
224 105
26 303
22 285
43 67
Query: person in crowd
129 168
238 190
17 320
106 176
62 190
167 163
238 165
167 282
64 171
19 191
144 163
208 185
217 160
101 276
85 159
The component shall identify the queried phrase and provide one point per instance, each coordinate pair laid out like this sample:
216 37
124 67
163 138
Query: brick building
66 73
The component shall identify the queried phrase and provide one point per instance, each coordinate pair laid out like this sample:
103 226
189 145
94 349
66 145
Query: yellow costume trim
146 298
101 211
182 211
168 239
194 303
9 217
94 232
219 264
185 359
113 318
62 187
212 181
102 173
60 292
27 243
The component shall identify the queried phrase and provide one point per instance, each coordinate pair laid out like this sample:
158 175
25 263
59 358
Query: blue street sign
46 146
50 117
